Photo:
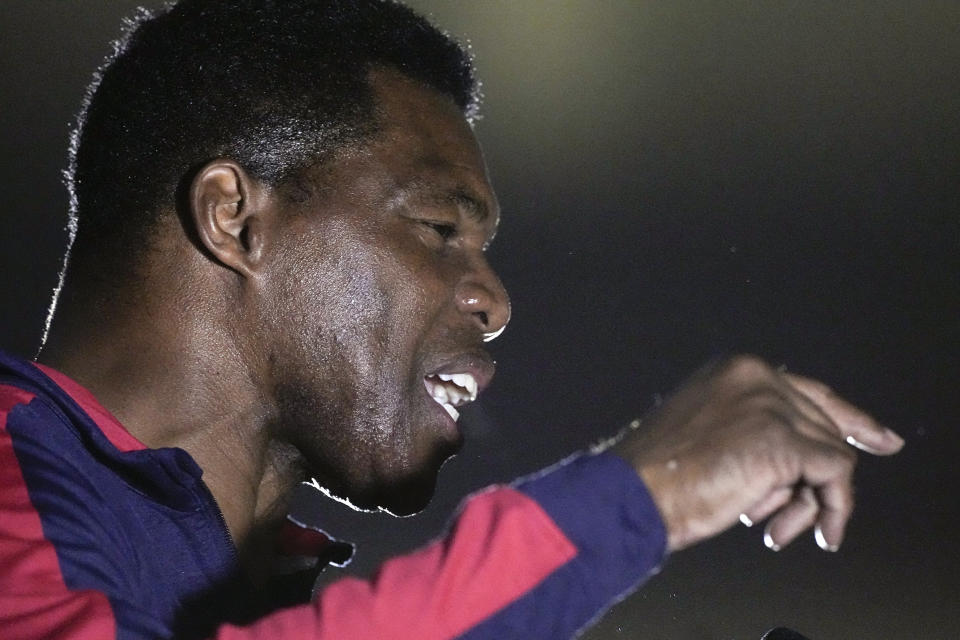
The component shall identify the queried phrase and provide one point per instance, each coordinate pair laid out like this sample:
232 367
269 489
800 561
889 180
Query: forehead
426 148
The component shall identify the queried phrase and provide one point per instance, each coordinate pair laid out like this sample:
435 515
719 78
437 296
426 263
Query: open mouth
451 390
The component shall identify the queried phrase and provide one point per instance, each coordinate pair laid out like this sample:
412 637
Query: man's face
378 299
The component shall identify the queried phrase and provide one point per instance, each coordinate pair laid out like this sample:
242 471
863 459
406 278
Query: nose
481 295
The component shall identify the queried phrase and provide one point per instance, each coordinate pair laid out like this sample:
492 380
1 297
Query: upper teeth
462 380
451 390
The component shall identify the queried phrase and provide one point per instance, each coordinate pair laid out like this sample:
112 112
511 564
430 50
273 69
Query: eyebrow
461 196
475 208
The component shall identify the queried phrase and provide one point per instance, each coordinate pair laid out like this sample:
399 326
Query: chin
410 494
401 499
408 502
405 494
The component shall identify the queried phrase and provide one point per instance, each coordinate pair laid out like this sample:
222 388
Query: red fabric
502 546
115 432
294 540
34 601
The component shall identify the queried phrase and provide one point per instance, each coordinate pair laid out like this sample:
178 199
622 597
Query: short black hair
273 84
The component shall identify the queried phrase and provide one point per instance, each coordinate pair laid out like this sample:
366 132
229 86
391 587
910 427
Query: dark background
679 180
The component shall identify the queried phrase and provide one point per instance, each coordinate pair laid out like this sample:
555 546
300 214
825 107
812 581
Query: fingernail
853 442
768 540
745 519
822 542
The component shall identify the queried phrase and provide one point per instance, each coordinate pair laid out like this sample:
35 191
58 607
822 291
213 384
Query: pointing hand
741 440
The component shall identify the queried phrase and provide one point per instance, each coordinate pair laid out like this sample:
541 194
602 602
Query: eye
442 229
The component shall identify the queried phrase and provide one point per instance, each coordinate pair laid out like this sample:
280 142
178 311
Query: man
278 272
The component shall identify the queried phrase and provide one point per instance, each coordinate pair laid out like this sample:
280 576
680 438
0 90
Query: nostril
485 303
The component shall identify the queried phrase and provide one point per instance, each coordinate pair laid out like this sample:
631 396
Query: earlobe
225 206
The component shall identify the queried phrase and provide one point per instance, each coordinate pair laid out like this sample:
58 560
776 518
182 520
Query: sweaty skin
382 281
295 336
274 335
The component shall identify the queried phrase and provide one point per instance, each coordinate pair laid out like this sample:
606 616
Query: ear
228 212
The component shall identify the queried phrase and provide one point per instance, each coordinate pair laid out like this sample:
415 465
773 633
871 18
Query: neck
174 377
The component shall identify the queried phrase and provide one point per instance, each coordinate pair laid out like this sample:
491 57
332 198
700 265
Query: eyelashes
444 230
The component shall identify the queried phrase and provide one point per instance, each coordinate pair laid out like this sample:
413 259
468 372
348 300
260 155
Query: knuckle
847 500
744 370
745 367
773 429
773 418
846 462
766 408
843 501
763 400
825 391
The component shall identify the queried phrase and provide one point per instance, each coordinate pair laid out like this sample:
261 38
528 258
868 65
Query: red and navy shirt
102 537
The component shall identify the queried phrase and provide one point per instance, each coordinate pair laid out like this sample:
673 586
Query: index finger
856 427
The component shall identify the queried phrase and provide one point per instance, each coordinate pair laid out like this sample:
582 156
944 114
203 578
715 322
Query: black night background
679 181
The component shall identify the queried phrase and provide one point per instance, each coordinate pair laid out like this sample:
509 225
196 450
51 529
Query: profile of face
378 298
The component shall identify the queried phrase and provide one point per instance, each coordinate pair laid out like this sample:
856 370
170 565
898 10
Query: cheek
362 301
351 321
346 298
330 279
389 282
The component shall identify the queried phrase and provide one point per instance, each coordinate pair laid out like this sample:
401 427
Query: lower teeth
450 409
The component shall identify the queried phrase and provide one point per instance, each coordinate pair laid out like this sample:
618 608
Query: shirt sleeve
542 558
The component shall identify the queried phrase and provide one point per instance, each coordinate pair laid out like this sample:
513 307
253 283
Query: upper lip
478 364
